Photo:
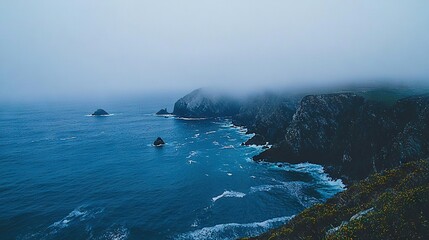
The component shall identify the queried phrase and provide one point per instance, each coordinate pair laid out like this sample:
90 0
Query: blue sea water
67 175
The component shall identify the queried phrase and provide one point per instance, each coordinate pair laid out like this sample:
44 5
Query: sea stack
100 112
163 112
158 142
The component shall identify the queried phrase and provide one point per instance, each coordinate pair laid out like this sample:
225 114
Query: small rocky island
158 142
163 112
100 112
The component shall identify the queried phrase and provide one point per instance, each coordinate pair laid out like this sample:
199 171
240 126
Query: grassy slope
397 201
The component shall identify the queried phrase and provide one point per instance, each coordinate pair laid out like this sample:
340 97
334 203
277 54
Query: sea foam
190 119
234 230
229 194
79 214
324 185
192 154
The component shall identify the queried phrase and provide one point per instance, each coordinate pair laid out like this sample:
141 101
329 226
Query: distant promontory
202 103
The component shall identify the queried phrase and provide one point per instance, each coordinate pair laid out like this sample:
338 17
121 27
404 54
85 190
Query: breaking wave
229 194
234 230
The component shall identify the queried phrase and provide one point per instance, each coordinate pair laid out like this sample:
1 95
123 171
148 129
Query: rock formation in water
158 142
163 112
100 112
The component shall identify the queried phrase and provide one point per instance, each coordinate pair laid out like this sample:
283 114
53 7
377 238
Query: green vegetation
389 205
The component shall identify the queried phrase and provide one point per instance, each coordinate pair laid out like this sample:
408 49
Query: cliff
353 137
349 134
267 115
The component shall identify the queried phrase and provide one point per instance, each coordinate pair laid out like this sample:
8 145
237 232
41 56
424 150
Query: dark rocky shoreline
351 136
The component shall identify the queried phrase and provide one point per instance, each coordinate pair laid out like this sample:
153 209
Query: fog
85 48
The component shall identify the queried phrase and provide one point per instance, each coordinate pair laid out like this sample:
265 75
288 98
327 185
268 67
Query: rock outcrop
100 112
158 142
267 115
204 104
163 112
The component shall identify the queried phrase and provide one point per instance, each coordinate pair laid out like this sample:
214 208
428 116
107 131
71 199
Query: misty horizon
214 119
87 49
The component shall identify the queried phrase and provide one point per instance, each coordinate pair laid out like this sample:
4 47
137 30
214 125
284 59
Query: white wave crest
256 147
161 115
228 147
316 171
81 213
242 130
191 119
323 184
234 230
196 135
75 214
229 194
191 154
67 138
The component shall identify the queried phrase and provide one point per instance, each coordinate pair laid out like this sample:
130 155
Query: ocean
67 175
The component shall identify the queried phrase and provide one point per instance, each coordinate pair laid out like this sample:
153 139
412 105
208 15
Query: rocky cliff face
201 104
412 139
354 137
267 115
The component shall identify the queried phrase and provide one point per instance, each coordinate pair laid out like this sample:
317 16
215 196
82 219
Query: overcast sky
85 47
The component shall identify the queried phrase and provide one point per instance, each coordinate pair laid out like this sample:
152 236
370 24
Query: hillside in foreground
393 204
